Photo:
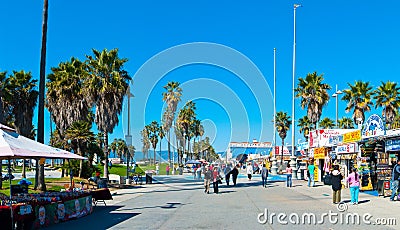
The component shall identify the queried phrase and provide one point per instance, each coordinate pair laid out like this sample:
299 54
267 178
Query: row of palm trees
186 128
79 93
360 98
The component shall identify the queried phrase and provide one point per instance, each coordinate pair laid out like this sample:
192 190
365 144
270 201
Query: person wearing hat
395 179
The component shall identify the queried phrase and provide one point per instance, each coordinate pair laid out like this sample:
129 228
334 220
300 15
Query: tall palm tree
186 117
314 95
326 123
3 84
172 97
107 87
161 135
153 130
346 123
66 97
39 182
358 98
145 142
387 96
23 103
305 126
283 123
80 135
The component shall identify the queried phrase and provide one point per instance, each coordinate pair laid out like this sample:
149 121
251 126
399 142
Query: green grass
50 187
121 169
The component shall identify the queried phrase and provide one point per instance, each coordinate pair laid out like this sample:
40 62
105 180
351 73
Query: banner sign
348 148
326 137
392 145
354 136
59 212
373 127
319 153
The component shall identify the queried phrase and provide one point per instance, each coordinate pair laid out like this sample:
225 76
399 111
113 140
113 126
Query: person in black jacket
235 173
337 178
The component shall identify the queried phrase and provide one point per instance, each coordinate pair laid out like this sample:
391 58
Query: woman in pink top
289 171
354 181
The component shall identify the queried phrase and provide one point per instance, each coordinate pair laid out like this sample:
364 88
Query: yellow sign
316 174
352 136
319 153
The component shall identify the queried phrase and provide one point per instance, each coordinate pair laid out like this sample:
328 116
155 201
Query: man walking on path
235 173
207 178
310 174
227 173
264 175
289 171
395 179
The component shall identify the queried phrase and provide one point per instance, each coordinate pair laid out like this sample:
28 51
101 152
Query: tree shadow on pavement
102 217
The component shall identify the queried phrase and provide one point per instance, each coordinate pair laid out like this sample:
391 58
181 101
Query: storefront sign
348 148
326 137
393 132
352 136
393 145
373 127
319 153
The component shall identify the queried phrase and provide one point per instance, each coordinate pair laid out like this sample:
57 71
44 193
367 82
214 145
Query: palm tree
283 123
186 117
40 137
358 97
396 122
80 135
23 103
327 123
314 95
387 96
153 129
66 97
161 135
172 98
145 142
107 87
305 126
346 123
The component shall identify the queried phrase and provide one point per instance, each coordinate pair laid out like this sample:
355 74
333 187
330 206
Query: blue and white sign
348 148
392 145
373 127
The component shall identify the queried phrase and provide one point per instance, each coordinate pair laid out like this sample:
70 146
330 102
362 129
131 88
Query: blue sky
220 51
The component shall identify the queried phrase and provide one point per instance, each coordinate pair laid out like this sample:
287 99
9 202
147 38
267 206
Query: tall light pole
336 94
274 168
293 158
128 137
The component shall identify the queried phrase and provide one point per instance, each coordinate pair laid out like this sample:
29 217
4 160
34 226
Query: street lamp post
274 168
336 94
293 157
128 137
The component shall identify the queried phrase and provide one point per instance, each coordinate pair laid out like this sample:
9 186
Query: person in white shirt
249 170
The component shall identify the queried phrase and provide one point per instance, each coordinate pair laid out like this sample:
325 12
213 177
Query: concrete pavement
179 202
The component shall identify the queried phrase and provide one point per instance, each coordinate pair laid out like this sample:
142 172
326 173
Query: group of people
213 174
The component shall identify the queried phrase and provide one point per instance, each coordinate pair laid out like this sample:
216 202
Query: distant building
254 148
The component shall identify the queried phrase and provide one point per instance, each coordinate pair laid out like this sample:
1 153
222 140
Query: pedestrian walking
216 180
157 169
395 180
249 170
198 172
310 174
167 170
264 175
227 173
207 179
289 171
337 178
235 173
354 183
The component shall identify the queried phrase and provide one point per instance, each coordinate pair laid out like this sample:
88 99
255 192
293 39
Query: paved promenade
179 202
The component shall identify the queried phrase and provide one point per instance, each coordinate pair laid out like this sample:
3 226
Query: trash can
149 178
